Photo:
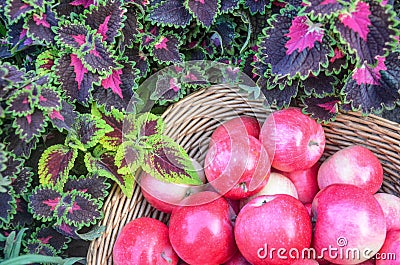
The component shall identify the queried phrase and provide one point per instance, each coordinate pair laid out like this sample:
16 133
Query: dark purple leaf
257 5
131 28
320 85
166 49
12 166
39 26
84 3
64 118
99 58
30 126
280 95
22 181
16 9
22 218
20 104
139 59
8 207
78 209
18 38
55 164
370 88
247 64
258 23
226 31
294 46
66 230
35 247
49 236
43 202
229 5
323 7
171 13
73 35
20 147
323 109
339 61
49 100
94 185
66 8
167 161
75 79
367 30
106 18
204 10
168 88
13 74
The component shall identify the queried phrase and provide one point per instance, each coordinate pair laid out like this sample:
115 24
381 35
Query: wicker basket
192 120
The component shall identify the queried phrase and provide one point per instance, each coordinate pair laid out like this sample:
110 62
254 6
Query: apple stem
244 186
167 259
311 143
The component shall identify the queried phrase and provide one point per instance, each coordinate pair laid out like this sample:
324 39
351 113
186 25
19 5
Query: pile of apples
267 199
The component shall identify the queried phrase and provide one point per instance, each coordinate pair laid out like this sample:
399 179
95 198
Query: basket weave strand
191 121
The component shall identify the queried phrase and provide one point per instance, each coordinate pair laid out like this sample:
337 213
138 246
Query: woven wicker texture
190 123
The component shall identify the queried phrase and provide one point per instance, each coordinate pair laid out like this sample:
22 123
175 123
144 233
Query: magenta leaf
84 3
131 28
15 9
64 118
55 164
257 6
374 42
303 34
113 82
323 8
30 126
106 19
43 202
320 85
171 13
39 26
75 79
99 57
372 87
273 49
204 10
323 109
281 95
49 100
20 104
358 20
166 49
93 184
72 35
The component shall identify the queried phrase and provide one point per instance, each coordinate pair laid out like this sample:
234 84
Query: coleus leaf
49 99
55 164
229 5
371 87
20 104
43 202
322 109
87 131
339 61
367 30
294 46
226 30
168 89
139 59
17 37
75 79
15 9
7 207
36 247
170 13
257 5
31 125
132 26
13 74
47 235
204 11
66 230
11 166
72 35
64 118
39 26
112 139
67 7
166 49
168 161
22 181
84 3
78 209
323 8
320 85
98 58
92 184
20 148
22 217
106 19
106 165
279 95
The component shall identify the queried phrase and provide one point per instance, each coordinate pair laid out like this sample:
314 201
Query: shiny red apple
250 124
306 182
389 254
294 140
237 259
391 208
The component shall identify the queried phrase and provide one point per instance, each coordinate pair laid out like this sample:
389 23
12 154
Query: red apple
306 182
389 254
347 218
203 233
308 207
277 184
247 123
391 208
237 166
237 259
306 262
352 165
144 241
294 140
164 196
270 222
